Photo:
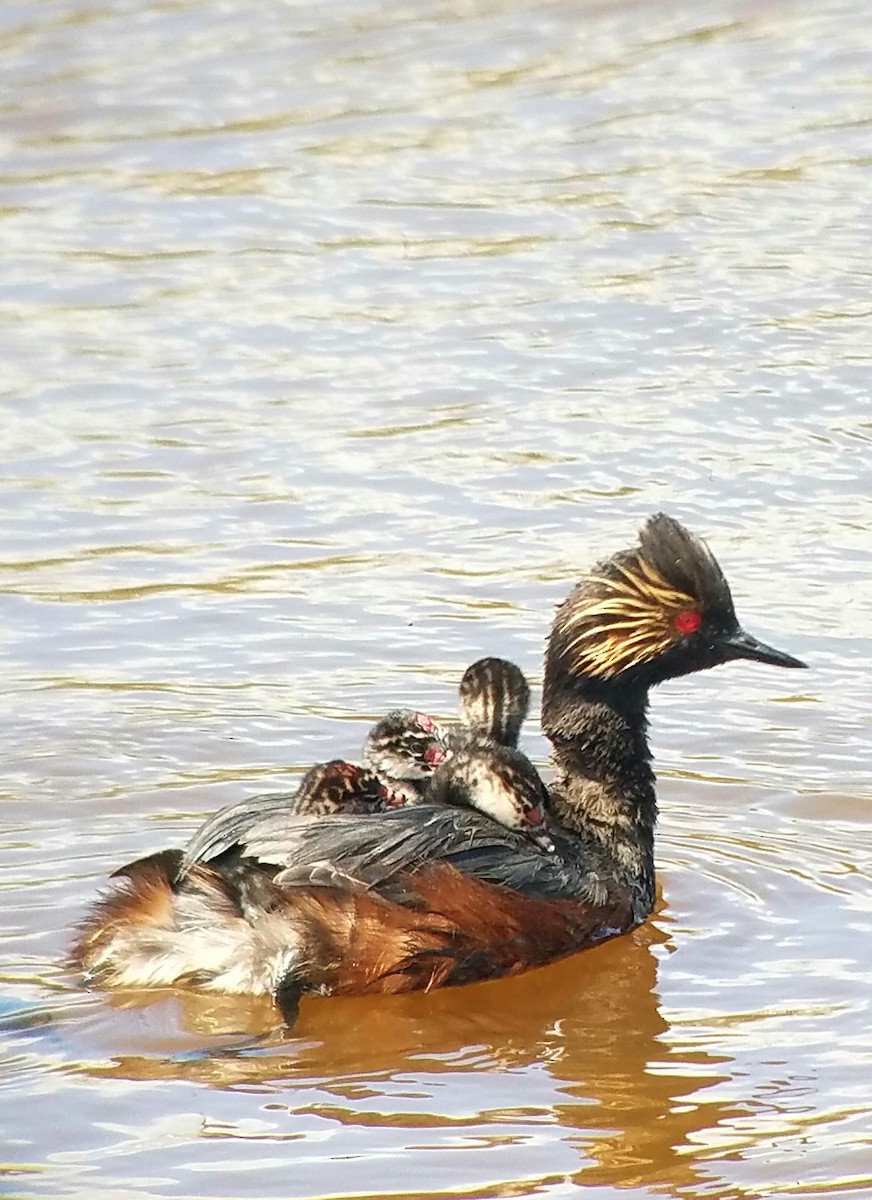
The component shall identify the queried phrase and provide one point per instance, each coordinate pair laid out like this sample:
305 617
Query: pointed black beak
743 645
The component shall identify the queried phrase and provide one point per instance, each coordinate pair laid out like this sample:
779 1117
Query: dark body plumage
429 896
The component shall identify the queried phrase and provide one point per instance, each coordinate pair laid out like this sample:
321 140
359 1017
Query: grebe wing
386 849
229 826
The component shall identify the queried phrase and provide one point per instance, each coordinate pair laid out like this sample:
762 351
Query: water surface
337 341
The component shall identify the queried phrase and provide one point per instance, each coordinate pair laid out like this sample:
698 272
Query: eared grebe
494 701
498 781
404 748
429 895
485 770
340 786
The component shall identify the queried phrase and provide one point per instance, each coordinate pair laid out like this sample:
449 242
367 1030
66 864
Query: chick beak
541 839
744 645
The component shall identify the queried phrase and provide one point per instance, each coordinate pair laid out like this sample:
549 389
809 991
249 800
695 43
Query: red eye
424 722
688 621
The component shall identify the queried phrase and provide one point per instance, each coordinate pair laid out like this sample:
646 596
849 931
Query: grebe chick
428 895
341 786
494 701
498 781
403 749
485 770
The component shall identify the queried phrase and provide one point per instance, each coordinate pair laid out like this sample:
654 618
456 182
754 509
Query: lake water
337 341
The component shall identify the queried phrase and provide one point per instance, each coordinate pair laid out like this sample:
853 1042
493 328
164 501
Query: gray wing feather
229 826
375 849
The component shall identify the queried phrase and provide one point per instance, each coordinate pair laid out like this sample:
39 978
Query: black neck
604 784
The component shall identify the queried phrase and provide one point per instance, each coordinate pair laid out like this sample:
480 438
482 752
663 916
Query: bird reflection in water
624 1089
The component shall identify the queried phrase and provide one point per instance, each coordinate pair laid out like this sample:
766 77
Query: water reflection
628 1102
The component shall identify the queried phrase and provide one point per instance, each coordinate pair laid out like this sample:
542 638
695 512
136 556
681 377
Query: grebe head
500 782
405 745
657 611
494 700
340 786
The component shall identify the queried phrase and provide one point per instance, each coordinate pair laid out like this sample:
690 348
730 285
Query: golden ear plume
625 619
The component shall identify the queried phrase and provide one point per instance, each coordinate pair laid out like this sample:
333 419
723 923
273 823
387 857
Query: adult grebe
430 896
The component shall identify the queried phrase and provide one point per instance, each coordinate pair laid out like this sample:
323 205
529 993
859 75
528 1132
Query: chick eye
688 621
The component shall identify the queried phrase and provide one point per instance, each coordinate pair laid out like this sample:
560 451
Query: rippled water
337 341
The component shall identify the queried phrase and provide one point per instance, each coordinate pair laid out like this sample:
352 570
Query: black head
644 615
405 745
